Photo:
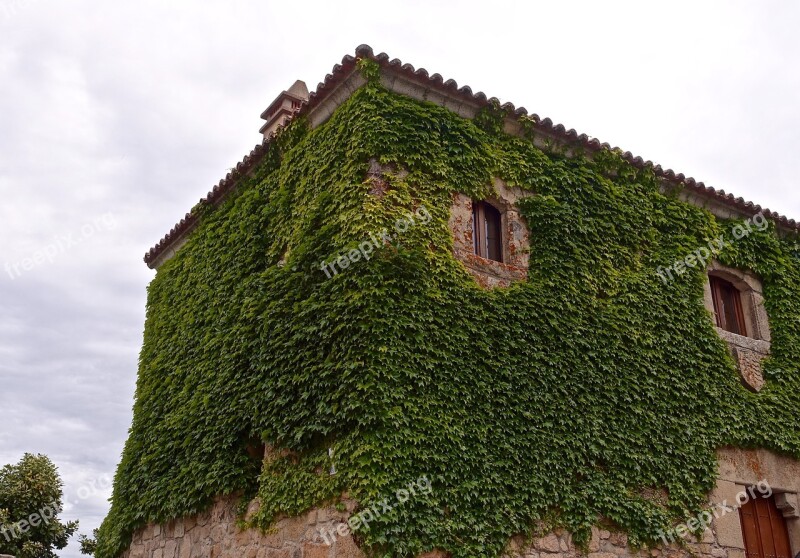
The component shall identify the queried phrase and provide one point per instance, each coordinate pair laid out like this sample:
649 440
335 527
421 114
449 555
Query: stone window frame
749 350
514 231
751 295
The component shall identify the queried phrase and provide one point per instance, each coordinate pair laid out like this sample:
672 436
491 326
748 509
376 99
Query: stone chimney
279 112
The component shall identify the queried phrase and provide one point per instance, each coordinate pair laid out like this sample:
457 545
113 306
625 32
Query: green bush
30 501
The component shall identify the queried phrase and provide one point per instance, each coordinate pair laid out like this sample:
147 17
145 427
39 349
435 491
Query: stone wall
607 544
322 532
215 534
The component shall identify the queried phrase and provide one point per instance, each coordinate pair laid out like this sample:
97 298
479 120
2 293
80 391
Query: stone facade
321 533
609 544
215 533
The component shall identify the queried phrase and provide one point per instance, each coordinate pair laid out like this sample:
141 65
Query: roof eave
417 83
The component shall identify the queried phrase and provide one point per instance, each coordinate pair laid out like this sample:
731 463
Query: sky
117 117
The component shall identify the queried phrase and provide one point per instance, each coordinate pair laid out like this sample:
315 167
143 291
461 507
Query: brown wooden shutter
727 306
494 234
487 231
478 229
764 529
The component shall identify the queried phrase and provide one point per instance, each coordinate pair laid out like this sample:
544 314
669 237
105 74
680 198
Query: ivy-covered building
414 321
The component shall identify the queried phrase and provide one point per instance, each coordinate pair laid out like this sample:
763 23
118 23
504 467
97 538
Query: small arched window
488 231
727 306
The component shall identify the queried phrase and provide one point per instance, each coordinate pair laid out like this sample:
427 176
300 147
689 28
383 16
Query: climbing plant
567 398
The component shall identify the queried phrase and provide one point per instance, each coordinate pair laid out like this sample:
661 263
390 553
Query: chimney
280 111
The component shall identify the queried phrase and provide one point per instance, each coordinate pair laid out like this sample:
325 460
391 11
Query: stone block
311 550
549 543
749 364
345 547
727 525
619 539
274 538
788 504
218 532
293 528
594 542
244 537
279 553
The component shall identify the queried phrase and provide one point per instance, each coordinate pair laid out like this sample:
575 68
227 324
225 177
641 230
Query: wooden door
764 529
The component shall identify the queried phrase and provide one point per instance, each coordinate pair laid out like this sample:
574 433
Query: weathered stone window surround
515 241
748 351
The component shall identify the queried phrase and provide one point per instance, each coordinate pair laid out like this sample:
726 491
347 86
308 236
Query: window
727 306
487 227
764 529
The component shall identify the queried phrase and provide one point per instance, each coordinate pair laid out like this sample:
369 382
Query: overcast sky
116 117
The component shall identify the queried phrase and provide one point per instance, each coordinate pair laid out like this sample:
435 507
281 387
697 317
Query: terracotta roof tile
450 87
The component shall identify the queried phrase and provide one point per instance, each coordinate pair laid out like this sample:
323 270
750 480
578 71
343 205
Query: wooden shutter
494 235
727 306
479 228
487 231
764 529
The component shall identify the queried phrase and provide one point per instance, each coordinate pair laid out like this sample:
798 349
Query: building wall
322 532
215 534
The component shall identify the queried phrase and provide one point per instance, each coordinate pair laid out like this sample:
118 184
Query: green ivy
566 398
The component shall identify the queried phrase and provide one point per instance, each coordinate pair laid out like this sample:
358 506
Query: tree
30 501
88 544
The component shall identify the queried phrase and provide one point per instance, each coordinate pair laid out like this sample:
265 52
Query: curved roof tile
449 87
